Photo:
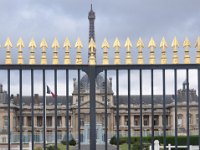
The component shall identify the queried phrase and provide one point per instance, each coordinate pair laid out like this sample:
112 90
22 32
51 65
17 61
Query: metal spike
20 45
43 46
92 46
8 46
32 46
78 45
105 46
117 45
128 46
186 45
175 45
55 46
152 45
67 46
140 46
197 45
163 46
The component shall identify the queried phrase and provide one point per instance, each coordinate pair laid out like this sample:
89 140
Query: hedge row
182 140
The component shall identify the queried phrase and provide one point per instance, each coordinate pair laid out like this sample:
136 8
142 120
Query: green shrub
64 142
52 148
72 142
38 148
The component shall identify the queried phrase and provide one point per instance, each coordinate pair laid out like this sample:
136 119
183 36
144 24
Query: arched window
190 118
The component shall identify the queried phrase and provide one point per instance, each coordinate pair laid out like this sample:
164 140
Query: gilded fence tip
92 47
20 45
117 45
55 46
8 46
128 46
105 45
186 45
140 46
197 45
43 46
78 45
175 46
32 46
163 46
152 45
67 46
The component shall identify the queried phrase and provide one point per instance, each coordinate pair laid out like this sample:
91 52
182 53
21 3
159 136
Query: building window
136 120
126 121
59 121
146 120
103 98
190 118
49 121
180 119
39 121
82 121
197 119
5 118
82 98
156 120
29 121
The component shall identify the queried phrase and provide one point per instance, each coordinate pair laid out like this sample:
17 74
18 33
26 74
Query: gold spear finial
186 45
117 45
8 46
32 46
128 46
197 45
140 46
78 45
152 45
67 46
92 46
20 45
163 46
43 46
105 46
55 46
175 45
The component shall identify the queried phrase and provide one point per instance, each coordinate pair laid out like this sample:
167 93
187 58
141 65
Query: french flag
50 92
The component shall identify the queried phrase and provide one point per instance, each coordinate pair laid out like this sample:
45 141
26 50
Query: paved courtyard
99 147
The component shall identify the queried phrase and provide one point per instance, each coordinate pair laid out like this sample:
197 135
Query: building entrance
99 134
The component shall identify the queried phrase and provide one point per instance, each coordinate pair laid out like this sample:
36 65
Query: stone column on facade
11 121
53 121
132 120
63 121
150 122
35 121
25 121
112 121
122 120
160 121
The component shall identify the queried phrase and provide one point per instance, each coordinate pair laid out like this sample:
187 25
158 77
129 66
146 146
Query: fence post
191 147
150 147
169 146
156 145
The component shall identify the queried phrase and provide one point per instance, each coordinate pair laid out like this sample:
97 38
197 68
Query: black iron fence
135 122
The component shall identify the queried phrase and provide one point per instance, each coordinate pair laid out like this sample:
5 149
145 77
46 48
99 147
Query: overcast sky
114 18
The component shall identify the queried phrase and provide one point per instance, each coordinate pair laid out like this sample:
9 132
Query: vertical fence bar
175 98
106 113
141 136
199 103
8 76
21 115
164 111
56 102
188 115
129 111
92 77
152 110
67 110
117 100
79 115
32 107
44 109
